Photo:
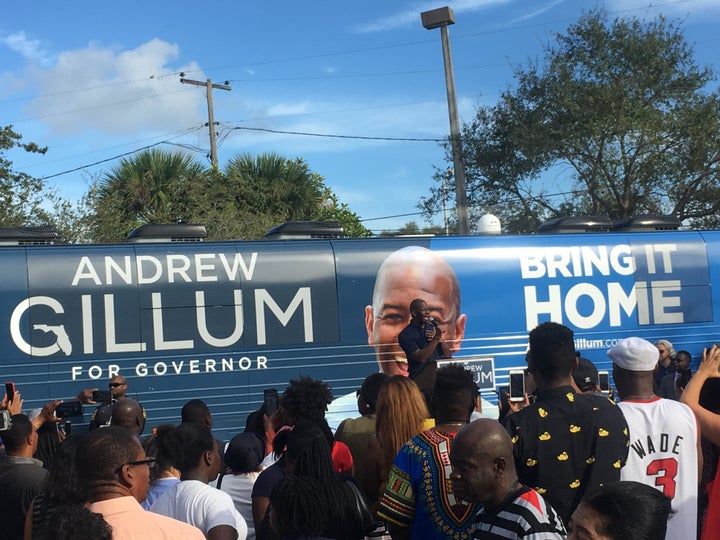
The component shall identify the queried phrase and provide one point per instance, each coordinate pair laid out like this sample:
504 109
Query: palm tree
150 187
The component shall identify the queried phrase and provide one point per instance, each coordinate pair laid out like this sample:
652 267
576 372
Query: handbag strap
361 506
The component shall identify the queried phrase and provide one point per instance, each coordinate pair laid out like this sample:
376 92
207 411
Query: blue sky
92 81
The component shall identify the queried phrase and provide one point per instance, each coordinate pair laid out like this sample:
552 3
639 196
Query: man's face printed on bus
406 275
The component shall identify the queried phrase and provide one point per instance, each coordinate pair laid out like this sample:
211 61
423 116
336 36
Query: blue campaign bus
221 321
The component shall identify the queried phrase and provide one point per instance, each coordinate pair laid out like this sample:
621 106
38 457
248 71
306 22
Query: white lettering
141 369
111 345
87 320
194 366
202 327
75 371
17 314
200 266
661 300
95 372
178 265
263 298
124 273
85 270
153 263
617 299
534 307
238 262
571 301
160 368
158 331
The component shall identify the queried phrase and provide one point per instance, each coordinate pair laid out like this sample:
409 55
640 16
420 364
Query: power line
335 136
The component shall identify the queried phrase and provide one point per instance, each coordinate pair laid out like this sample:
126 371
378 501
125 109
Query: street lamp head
437 18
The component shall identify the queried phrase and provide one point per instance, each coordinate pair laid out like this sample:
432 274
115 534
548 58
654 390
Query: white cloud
537 11
411 16
133 91
30 49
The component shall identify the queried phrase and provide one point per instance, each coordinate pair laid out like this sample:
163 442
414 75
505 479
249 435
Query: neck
544 384
107 492
25 452
504 490
195 474
638 390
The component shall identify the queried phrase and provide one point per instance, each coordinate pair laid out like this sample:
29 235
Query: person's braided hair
299 505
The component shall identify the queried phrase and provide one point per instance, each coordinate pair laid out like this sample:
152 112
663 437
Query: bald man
129 414
483 471
409 273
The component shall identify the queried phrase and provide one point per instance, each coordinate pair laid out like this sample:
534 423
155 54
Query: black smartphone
101 396
69 408
604 381
270 401
10 390
517 384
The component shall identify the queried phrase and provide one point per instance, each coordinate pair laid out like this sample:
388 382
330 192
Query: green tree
154 186
21 195
616 120
269 189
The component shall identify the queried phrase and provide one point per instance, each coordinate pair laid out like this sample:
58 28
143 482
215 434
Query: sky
356 89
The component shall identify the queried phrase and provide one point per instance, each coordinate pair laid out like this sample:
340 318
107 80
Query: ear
209 457
369 322
459 332
499 466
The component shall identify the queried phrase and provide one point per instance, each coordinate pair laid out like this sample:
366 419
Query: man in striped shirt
483 471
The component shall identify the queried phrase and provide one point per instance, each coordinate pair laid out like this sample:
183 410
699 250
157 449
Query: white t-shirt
663 454
200 505
240 487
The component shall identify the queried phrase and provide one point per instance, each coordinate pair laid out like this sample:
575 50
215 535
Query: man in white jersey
664 436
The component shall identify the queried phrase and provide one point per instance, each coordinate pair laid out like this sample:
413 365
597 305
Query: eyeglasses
149 461
116 384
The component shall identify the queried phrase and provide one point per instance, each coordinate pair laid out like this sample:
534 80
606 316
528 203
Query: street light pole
442 18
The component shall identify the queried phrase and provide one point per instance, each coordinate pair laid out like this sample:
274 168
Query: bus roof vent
167 232
42 235
303 230
576 224
647 223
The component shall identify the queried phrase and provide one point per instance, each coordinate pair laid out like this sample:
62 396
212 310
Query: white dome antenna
489 224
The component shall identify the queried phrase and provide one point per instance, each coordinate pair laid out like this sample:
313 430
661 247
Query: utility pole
208 84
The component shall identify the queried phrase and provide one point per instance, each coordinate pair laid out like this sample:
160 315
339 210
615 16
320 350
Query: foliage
269 189
153 186
21 195
616 121
251 195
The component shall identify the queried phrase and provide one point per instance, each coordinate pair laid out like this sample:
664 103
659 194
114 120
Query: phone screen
270 401
10 390
517 385
604 381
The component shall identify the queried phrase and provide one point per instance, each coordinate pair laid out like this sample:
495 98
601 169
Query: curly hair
401 412
75 522
305 398
454 389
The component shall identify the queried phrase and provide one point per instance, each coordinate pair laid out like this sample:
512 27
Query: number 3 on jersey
665 471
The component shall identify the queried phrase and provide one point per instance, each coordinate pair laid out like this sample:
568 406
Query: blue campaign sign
483 369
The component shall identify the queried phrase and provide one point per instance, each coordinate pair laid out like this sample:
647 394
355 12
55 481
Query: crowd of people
418 462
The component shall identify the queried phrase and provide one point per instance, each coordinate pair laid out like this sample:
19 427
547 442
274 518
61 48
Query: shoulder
179 529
